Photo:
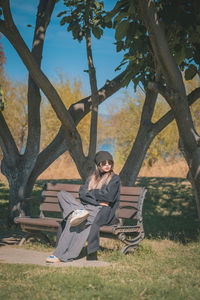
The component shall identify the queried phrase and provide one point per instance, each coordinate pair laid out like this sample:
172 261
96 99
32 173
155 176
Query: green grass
166 265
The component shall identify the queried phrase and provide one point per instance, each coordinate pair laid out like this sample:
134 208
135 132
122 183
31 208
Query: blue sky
61 52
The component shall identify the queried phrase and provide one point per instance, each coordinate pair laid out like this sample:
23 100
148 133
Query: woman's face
106 165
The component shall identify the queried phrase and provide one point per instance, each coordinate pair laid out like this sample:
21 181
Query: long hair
98 179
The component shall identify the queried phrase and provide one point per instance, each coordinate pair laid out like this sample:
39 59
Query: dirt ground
11 253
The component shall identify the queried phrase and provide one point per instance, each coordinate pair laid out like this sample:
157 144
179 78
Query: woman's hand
103 204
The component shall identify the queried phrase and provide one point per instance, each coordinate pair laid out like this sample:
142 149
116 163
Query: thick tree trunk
143 139
131 168
175 92
17 175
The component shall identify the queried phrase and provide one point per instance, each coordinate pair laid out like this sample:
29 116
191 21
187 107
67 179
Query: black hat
102 156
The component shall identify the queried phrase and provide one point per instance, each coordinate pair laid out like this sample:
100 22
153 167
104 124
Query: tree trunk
175 92
131 168
17 176
143 139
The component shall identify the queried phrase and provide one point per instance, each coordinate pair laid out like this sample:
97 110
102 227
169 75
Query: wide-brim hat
102 156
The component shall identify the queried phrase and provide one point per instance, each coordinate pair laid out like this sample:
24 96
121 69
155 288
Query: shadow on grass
169 208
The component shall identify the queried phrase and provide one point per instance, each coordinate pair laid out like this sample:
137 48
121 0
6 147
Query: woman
99 199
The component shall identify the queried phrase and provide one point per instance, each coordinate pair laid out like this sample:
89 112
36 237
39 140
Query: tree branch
44 13
169 116
94 94
78 110
7 142
160 46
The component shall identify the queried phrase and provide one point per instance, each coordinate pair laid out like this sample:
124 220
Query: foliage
83 14
181 22
16 97
70 92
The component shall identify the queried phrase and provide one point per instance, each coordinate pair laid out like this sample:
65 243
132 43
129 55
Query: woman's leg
94 235
72 239
68 203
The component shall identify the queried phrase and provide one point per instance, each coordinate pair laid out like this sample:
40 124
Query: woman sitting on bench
99 198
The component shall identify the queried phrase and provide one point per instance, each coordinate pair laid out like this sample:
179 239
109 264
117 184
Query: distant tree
15 112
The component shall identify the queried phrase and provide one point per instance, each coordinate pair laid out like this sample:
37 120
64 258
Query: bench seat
130 209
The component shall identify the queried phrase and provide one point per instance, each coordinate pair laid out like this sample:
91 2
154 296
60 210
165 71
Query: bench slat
55 193
129 204
130 190
63 187
52 222
126 213
50 207
129 198
51 200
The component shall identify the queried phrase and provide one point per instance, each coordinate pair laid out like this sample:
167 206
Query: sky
61 53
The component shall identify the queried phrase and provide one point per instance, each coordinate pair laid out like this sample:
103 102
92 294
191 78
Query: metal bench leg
131 244
127 248
36 234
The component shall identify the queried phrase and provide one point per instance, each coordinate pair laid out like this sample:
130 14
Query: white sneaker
78 216
52 259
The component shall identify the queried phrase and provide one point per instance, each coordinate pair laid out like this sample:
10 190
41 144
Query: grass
166 265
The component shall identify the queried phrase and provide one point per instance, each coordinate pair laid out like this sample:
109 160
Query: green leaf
180 55
97 32
190 72
64 20
121 30
76 29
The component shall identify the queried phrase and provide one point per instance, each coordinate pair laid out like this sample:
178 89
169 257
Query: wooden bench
128 226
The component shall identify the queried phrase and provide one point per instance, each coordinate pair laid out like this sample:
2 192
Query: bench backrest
131 199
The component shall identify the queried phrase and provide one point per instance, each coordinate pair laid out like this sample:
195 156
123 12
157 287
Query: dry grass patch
160 246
